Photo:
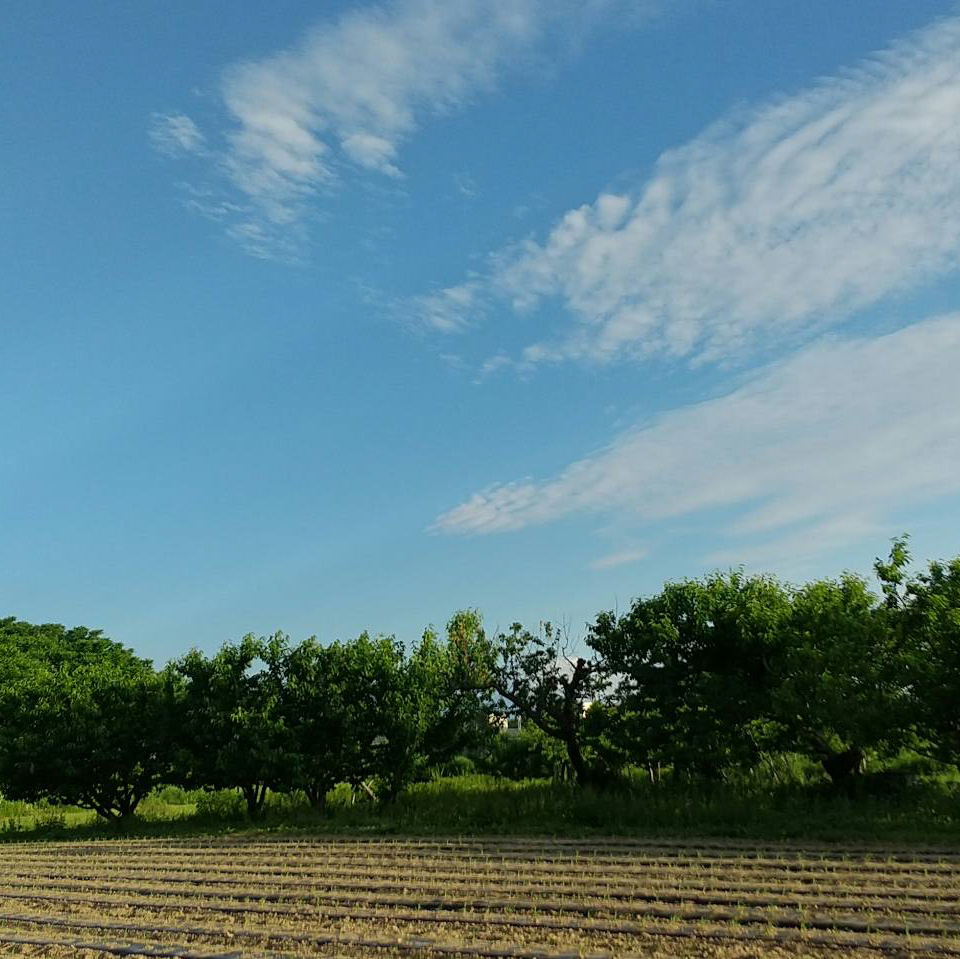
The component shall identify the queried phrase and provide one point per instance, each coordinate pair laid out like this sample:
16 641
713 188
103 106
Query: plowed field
491 898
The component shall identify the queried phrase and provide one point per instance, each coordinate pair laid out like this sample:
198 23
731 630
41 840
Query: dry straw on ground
497 898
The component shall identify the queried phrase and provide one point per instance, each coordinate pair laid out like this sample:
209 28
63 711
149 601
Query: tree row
700 681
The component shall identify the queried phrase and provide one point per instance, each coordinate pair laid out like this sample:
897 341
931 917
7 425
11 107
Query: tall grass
910 809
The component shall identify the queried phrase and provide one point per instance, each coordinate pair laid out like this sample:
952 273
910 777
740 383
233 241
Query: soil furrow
623 866
376 908
698 933
158 950
528 897
613 887
481 872
584 897
876 851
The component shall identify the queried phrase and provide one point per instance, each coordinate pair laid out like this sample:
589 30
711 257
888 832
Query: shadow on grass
484 806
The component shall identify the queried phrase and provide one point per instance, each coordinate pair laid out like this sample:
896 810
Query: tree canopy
704 679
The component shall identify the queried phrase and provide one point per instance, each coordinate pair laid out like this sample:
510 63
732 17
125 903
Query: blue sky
345 316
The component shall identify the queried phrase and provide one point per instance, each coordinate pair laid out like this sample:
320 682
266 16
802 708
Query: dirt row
530 870
570 915
942 896
574 896
524 939
708 847
357 898
709 875
880 852
346 854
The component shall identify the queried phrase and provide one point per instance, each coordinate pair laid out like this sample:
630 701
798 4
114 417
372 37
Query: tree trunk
125 820
317 796
579 764
843 767
254 794
118 812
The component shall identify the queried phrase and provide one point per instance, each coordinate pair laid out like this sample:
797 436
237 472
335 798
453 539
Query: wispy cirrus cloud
839 433
345 98
794 549
352 91
622 557
444 311
175 134
770 225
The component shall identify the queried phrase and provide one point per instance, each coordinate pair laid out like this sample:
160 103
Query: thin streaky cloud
842 428
175 134
794 549
770 226
344 99
624 557
352 91
445 311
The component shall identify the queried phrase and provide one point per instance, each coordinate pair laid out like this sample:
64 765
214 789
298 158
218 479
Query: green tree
459 707
333 711
928 619
695 669
83 721
230 728
433 709
26 646
841 694
542 682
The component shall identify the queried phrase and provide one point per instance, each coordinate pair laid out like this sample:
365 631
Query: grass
922 811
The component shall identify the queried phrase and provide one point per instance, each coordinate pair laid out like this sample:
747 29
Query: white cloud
345 98
175 134
768 226
353 90
265 242
796 547
372 152
446 311
493 365
622 557
842 431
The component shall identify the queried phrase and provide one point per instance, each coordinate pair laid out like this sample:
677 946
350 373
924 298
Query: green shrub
527 754
457 766
49 818
175 796
221 805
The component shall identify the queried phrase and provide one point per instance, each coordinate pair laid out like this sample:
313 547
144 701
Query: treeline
700 681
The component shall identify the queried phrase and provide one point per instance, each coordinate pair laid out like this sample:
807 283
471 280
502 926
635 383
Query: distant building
507 725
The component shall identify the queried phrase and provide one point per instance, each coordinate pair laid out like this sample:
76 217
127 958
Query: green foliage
695 670
729 685
332 712
893 574
84 722
229 729
527 754
174 796
751 806
456 766
840 694
540 680
431 706
928 625
222 805
25 646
